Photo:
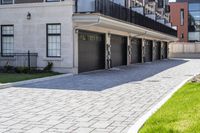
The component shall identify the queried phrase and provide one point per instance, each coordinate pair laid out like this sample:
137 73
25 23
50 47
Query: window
194 21
182 16
194 6
6 1
194 36
7 40
53 40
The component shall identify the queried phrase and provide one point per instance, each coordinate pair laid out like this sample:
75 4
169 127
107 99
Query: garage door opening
165 50
148 51
91 51
118 50
158 50
136 50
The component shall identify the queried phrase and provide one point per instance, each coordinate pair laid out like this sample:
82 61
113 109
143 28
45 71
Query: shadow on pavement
101 80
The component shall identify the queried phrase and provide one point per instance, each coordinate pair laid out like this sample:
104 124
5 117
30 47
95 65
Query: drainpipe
75 30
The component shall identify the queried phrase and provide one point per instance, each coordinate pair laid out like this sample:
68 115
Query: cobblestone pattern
133 91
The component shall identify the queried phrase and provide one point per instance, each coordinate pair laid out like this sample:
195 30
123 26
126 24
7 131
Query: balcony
139 10
167 9
117 11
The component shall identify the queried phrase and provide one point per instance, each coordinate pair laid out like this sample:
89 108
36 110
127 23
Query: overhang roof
115 24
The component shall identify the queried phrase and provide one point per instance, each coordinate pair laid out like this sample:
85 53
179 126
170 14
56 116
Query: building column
143 50
154 51
129 51
162 49
167 49
108 51
75 52
128 3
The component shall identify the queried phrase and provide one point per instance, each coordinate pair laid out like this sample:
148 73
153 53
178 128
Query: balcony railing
112 9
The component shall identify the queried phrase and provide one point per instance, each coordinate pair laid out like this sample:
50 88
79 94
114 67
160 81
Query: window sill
52 59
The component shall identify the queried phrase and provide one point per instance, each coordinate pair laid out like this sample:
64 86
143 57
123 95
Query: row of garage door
91 51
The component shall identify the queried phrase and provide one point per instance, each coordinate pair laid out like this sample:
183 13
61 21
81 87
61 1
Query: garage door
148 51
91 50
136 50
157 50
118 50
165 50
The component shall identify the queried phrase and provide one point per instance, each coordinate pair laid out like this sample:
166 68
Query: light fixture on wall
28 16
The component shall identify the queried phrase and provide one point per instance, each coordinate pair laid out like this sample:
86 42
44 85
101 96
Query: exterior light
28 16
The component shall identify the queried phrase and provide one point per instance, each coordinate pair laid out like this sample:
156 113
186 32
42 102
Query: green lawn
14 77
181 114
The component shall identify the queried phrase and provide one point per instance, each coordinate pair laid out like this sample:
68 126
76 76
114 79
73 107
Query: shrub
8 68
22 70
49 67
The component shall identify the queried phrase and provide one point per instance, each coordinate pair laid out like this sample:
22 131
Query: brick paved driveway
97 102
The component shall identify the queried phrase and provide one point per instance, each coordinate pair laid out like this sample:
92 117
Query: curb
140 122
7 85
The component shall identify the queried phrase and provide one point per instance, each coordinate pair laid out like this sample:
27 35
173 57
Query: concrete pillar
129 3
108 51
154 50
75 52
129 50
143 50
167 50
162 50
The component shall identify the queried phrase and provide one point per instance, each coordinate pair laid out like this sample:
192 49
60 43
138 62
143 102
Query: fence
184 50
19 60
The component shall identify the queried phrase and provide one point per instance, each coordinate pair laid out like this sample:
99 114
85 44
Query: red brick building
179 18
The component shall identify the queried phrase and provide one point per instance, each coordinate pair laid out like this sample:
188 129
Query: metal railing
19 60
112 9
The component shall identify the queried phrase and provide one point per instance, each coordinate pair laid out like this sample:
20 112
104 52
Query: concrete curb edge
140 122
7 85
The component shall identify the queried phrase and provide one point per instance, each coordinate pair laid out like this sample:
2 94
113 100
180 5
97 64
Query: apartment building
85 35
185 14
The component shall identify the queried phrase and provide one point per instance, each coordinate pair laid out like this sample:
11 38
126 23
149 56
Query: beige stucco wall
185 50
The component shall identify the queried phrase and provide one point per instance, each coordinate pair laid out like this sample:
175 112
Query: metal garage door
118 50
165 50
148 51
136 50
91 50
157 50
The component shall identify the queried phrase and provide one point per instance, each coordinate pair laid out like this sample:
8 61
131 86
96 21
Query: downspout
75 30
